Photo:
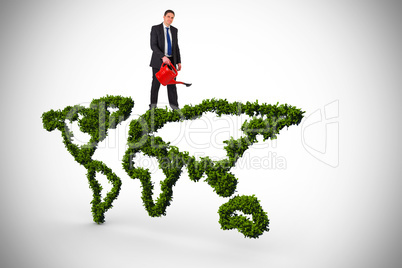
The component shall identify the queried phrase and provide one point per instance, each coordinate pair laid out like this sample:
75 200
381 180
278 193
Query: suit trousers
171 89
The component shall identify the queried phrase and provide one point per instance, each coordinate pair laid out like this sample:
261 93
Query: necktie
169 43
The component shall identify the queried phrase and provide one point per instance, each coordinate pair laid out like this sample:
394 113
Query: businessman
165 48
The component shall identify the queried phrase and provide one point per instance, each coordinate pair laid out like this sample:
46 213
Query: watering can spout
167 74
178 82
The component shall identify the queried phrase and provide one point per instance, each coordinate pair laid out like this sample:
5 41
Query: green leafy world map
265 119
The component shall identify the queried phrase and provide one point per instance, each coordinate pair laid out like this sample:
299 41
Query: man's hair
169 11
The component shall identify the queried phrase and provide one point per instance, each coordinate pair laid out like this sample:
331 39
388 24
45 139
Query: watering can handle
170 63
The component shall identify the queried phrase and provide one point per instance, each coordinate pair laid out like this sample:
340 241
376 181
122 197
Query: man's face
168 19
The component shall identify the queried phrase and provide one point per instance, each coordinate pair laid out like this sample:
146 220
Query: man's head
168 17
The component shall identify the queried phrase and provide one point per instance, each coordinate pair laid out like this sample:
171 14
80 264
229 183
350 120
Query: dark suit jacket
158 45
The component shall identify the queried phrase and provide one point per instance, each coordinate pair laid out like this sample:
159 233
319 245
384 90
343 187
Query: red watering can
166 75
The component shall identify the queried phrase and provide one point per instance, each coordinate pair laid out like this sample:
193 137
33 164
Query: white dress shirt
171 41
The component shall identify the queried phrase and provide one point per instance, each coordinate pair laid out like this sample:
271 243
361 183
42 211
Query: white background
335 208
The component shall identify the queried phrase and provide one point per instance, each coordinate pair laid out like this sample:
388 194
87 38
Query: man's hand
178 66
166 60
